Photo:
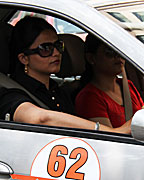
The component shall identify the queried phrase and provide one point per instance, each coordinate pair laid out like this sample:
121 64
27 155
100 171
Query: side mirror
137 125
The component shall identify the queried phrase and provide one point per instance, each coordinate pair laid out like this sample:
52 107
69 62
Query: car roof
91 20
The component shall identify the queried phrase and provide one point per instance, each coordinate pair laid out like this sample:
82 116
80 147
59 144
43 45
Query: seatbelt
127 97
7 82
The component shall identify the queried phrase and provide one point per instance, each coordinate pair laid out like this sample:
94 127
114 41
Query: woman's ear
90 58
23 58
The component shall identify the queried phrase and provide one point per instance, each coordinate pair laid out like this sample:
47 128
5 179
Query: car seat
5 32
73 63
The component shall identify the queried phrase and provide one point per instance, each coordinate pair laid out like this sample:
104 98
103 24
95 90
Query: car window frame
89 30
70 132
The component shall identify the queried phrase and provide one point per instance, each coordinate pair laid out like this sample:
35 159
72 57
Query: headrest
5 32
73 63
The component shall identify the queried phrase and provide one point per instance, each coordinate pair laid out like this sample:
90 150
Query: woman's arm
29 113
102 120
105 125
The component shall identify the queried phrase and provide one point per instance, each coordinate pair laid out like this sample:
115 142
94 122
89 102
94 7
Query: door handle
5 171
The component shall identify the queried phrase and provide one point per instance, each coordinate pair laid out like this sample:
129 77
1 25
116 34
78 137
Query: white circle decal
67 159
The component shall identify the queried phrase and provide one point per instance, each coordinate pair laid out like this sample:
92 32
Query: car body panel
26 149
125 159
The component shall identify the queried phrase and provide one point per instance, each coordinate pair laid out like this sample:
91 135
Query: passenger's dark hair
24 34
91 45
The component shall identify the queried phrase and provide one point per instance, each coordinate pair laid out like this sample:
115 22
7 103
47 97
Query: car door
32 151
41 152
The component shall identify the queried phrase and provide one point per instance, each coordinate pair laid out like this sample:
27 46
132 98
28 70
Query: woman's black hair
24 34
91 45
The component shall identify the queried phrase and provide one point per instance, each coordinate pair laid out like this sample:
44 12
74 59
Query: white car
41 152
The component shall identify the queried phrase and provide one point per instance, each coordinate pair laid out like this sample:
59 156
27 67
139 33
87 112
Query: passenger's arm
106 124
102 120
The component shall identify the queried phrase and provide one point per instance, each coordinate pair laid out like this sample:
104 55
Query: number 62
60 161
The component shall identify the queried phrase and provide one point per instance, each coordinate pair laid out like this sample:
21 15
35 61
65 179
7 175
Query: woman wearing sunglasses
101 99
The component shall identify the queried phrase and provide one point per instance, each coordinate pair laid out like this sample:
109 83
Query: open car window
61 26
64 27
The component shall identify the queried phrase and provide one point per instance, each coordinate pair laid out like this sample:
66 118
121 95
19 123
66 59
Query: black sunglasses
46 49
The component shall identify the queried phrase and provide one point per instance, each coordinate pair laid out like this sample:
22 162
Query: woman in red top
101 99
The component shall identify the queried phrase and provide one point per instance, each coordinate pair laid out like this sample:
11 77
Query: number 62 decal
67 159
61 162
